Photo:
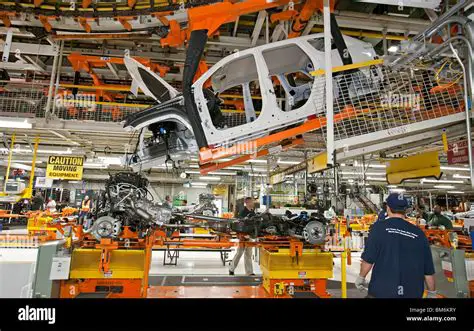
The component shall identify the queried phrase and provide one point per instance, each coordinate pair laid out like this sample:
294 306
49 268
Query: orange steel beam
85 25
100 36
212 16
38 3
211 154
302 19
87 62
205 169
86 3
285 15
45 21
162 16
5 17
124 21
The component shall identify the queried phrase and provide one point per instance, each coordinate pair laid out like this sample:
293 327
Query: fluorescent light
199 183
399 15
15 124
461 176
382 179
193 172
42 151
444 186
377 166
350 181
209 178
95 165
455 168
398 190
455 192
393 49
280 161
441 181
392 186
257 161
343 164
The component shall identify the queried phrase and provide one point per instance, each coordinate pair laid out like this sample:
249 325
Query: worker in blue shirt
399 256
383 212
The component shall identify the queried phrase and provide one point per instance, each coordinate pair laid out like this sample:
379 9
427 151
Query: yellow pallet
123 264
313 264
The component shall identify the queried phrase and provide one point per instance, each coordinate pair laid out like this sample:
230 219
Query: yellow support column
29 190
10 155
343 270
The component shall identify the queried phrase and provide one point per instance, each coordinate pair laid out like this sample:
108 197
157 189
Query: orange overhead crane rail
211 17
208 16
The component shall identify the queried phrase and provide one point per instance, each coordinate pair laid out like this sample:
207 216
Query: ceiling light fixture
454 168
377 166
461 176
15 124
444 186
280 161
382 179
397 190
257 161
217 178
441 181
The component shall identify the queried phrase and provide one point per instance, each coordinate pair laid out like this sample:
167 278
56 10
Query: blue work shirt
401 257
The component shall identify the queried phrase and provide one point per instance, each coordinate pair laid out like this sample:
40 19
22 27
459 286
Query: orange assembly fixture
212 154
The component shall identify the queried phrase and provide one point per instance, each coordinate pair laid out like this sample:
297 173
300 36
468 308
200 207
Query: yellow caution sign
65 167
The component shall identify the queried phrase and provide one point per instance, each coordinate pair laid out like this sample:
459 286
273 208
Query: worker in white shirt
51 205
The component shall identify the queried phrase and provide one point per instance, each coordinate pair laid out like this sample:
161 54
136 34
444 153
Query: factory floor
202 274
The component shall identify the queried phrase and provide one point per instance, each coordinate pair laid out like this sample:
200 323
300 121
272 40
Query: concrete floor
209 264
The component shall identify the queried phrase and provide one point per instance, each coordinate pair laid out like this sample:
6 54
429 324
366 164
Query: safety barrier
388 100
